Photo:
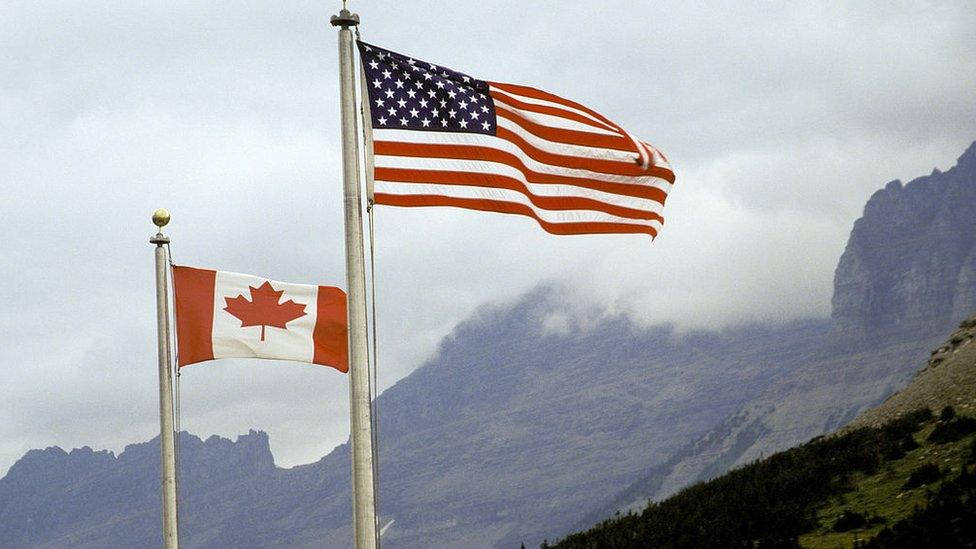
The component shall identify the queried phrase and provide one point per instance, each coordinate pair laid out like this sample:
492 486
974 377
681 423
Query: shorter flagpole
167 447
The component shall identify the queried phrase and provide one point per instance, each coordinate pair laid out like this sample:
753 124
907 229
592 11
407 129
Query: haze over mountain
532 417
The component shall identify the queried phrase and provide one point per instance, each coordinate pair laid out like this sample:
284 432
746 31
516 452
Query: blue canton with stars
409 94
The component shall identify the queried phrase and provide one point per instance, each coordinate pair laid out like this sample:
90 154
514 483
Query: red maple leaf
264 310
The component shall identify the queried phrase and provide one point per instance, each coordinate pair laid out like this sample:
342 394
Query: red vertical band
194 294
331 334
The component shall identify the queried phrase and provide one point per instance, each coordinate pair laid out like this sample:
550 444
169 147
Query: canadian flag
227 315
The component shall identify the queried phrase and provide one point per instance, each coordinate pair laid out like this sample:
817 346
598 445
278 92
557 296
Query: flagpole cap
345 19
160 217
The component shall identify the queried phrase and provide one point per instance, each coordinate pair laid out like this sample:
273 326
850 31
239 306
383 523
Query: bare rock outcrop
910 263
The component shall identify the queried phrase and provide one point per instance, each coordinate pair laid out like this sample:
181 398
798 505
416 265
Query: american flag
444 138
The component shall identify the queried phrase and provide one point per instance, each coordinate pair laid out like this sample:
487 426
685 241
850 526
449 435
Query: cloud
779 120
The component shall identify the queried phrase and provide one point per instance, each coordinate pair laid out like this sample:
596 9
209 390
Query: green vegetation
872 487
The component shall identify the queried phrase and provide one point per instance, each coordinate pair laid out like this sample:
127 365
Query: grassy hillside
909 479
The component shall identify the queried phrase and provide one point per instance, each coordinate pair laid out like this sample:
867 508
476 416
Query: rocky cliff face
909 268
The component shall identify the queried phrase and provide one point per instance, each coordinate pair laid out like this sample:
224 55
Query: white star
431 93
411 93
394 65
389 93
443 103
485 125
413 113
466 79
473 98
367 48
403 121
381 55
411 61
402 103
427 76
464 123
452 112
484 108
399 84
440 85
379 102
386 74
433 67
374 65
474 115
418 84
435 113
464 104
392 111
451 94
406 75
377 83
423 104
382 120
445 75
443 123
425 122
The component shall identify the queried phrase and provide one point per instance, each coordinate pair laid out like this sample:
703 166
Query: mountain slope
894 477
867 482
949 379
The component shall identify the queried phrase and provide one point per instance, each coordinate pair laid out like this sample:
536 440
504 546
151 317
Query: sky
779 119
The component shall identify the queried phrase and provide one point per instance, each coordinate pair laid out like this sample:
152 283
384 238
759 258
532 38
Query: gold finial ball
160 217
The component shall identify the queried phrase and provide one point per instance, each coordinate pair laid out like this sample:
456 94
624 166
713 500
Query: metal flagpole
171 538
363 483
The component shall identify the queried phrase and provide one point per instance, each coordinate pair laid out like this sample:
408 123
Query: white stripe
565 149
474 139
553 121
539 189
553 104
505 195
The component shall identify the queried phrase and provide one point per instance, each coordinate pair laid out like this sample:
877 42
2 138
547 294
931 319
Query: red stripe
495 181
502 97
598 165
470 152
193 291
513 208
570 137
331 334
528 91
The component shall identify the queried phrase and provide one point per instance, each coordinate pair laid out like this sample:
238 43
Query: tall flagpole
363 483
171 538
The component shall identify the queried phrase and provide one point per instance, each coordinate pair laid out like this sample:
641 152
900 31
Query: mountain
888 313
529 417
909 268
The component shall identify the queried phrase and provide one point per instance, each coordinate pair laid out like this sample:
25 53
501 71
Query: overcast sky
779 120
